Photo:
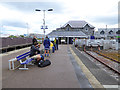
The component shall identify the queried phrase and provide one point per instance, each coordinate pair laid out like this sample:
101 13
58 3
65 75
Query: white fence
107 44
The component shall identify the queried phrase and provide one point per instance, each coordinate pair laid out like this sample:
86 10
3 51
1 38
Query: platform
69 69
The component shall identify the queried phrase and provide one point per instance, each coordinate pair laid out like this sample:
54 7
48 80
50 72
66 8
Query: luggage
44 63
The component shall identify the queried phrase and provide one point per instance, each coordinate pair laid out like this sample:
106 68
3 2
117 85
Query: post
44 18
105 35
44 22
67 40
27 29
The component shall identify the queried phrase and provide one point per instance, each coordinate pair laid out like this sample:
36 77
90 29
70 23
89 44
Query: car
63 41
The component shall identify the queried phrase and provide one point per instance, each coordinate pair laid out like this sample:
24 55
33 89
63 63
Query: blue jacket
46 43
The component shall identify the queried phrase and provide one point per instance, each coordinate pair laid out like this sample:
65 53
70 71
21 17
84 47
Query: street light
44 27
27 29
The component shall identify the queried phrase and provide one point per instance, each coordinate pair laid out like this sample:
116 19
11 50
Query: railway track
107 57
108 63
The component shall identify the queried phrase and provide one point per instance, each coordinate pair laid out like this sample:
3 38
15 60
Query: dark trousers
56 46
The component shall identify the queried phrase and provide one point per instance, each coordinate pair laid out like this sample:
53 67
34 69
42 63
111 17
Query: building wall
106 32
67 28
87 30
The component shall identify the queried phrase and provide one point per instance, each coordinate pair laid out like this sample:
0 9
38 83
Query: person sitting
35 52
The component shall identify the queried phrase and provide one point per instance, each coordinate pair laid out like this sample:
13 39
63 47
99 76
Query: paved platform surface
69 69
104 78
60 74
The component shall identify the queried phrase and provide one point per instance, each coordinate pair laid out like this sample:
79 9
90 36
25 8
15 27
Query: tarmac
68 70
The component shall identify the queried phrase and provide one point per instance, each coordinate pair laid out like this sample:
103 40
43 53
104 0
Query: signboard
25 35
42 27
92 37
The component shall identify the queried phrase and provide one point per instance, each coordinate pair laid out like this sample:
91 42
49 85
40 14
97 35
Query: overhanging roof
67 34
77 24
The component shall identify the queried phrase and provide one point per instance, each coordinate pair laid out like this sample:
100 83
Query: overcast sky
17 17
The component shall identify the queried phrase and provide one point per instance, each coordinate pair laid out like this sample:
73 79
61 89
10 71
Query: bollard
99 48
91 48
84 47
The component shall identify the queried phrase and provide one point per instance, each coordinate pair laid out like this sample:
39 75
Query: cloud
17 14
15 23
29 7
111 20
13 30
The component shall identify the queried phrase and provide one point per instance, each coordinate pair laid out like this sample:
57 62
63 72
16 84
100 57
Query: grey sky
14 23
98 13
29 7
111 20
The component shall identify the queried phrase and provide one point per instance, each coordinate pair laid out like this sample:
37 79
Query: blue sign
46 27
42 27
25 34
92 37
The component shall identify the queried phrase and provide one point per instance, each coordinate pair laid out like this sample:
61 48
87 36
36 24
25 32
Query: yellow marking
93 81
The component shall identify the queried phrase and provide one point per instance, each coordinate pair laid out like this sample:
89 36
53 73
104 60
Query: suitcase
44 63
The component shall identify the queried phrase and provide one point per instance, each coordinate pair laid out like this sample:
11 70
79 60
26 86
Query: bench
24 59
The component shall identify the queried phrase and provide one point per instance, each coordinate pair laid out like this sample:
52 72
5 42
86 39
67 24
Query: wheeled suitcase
44 63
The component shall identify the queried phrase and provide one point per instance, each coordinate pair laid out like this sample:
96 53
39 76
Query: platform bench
23 59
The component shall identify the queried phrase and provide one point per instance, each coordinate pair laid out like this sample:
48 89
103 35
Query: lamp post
44 27
106 31
27 29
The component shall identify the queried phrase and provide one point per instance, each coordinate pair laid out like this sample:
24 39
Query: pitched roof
56 33
77 24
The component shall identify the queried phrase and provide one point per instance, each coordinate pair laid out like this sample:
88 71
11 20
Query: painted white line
111 86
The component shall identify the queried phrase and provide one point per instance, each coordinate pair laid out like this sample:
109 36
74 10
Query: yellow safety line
93 81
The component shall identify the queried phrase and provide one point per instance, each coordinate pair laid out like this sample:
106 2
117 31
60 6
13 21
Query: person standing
46 44
34 40
56 44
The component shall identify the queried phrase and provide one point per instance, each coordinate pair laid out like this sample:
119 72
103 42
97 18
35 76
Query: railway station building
72 30
107 33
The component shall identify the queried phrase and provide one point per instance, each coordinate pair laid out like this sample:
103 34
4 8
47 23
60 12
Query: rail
115 70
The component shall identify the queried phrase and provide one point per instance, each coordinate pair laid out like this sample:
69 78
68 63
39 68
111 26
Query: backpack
44 63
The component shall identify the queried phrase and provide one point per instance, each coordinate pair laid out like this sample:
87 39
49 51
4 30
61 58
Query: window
102 32
118 32
111 32
67 29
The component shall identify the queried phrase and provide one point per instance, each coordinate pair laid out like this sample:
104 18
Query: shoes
45 55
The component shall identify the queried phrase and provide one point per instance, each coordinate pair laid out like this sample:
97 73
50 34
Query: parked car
63 41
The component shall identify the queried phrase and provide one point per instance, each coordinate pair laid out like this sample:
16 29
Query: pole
27 29
44 18
106 31
44 22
